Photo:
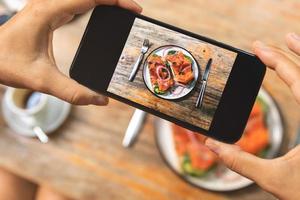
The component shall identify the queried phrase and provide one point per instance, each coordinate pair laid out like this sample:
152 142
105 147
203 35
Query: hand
280 176
26 55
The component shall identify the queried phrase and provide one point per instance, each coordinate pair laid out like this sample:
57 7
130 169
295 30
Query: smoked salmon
181 66
197 160
160 75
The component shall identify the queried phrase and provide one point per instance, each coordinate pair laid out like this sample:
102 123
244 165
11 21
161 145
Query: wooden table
85 159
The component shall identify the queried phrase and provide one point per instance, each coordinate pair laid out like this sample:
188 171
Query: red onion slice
178 91
159 69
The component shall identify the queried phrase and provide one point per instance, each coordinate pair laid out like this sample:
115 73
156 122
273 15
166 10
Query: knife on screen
204 84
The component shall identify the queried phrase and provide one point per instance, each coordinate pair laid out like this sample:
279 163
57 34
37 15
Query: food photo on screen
172 73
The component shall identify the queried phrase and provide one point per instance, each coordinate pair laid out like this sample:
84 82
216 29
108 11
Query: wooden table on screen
85 159
201 52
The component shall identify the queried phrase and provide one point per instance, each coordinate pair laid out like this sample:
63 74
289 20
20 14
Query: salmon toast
197 160
181 66
160 75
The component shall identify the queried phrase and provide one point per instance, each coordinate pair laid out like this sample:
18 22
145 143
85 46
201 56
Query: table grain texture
85 159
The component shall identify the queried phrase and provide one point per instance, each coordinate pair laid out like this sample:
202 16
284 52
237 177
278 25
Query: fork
137 64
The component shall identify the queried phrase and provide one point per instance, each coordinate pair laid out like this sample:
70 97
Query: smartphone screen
170 76
193 81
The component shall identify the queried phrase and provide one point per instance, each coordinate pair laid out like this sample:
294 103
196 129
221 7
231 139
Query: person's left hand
26 55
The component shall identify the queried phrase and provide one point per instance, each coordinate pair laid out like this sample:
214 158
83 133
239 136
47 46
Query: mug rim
20 111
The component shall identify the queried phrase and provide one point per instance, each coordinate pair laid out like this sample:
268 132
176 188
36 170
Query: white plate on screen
176 92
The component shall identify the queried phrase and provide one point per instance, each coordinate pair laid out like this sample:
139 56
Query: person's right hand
280 176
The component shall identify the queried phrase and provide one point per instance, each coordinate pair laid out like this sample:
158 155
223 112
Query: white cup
15 100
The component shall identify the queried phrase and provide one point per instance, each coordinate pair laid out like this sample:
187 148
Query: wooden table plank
84 158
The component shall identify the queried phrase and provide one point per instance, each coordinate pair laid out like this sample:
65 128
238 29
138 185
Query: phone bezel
235 109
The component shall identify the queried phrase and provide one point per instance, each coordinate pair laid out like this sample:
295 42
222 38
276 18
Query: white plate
57 113
180 91
220 179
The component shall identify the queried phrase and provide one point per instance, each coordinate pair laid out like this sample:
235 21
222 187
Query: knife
204 83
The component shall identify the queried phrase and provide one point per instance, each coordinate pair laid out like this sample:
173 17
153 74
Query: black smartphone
196 82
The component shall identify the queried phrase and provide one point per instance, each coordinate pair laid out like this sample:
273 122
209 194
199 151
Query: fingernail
100 101
139 8
295 36
260 45
213 145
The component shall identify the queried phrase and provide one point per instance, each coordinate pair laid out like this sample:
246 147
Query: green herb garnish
264 105
263 153
189 58
157 91
167 64
190 170
172 52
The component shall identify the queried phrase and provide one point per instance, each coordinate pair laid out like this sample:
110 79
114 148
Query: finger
239 161
293 42
293 57
69 90
80 6
286 69
127 4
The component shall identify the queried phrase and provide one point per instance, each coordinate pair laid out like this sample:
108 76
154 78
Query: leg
13 187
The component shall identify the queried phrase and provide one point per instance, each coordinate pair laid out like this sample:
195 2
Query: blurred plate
221 178
176 92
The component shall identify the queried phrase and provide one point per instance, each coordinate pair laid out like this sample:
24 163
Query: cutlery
137 64
32 123
204 84
135 125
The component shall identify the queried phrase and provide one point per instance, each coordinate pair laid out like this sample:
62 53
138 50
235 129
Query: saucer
56 113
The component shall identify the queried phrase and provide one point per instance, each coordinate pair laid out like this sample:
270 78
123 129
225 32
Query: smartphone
193 81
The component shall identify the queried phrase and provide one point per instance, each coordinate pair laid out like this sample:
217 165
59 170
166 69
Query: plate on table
170 72
186 155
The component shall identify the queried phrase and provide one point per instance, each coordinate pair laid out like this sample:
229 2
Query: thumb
69 90
239 161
